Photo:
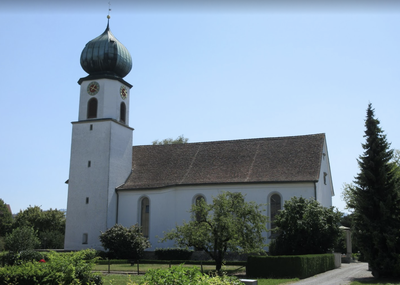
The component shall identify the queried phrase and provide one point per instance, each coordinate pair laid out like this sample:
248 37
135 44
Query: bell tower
101 148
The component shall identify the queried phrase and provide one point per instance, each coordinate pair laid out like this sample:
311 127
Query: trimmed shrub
31 255
180 275
173 253
297 266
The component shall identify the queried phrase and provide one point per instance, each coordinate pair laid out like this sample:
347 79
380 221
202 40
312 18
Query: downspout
315 191
116 216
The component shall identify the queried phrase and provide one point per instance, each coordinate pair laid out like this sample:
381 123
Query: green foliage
377 202
179 140
173 253
180 275
305 227
6 219
125 242
59 269
228 224
49 224
14 258
302 266
22 238
31 255
2 244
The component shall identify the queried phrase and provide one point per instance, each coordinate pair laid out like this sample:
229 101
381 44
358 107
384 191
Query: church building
112 182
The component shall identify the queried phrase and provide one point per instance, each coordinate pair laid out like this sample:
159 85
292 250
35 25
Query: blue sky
209 72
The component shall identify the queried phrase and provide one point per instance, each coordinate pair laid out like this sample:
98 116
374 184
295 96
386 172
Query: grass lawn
143 268
123 279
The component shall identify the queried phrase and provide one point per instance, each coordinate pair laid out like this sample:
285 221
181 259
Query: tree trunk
218 261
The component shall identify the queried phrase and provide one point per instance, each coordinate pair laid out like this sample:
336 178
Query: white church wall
325 185
170 206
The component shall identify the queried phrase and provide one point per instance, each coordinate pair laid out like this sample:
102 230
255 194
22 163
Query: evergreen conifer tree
377 202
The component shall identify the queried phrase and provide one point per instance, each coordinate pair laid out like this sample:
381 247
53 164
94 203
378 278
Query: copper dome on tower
106 56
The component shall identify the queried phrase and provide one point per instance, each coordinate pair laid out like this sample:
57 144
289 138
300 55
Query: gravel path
340 276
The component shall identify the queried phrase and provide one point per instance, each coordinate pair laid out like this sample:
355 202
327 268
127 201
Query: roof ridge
236 140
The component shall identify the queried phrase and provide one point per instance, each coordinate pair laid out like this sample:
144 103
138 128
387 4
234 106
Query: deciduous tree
22 238
178 140
6 219
49 224
227 224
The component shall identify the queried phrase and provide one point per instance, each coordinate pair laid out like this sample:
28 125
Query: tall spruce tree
377 202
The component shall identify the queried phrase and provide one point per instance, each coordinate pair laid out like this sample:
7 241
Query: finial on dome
109 10
106 56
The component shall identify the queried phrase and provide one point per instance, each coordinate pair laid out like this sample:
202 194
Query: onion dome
106 56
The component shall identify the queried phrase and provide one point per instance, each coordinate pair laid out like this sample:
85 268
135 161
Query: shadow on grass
373 280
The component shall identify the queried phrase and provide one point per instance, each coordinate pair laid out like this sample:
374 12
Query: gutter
116 216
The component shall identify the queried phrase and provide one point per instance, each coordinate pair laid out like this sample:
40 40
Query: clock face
93 88
124 92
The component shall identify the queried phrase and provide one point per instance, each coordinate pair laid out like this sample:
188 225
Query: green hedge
173 253
299 266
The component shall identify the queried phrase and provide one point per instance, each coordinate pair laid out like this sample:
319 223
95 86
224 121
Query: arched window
144 216
122 112
197 201
275 205
92 108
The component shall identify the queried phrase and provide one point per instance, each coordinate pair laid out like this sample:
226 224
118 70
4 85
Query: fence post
138 267
108 265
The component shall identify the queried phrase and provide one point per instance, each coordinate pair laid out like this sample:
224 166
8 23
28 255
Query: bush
59 269
124 243
22 238
12 258
31 255
173 253
180 275
305 227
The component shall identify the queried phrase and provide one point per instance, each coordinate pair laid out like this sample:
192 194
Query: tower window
92 108
91 127
85 238
122 112
325 175
87 200
89 163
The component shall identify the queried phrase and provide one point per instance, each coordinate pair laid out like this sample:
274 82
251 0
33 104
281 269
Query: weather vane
109 10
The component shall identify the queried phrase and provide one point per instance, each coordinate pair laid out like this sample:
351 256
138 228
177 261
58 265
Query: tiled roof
281 159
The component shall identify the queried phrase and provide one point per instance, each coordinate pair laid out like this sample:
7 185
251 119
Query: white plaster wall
108 97
108 147
120 166
325 191
170 206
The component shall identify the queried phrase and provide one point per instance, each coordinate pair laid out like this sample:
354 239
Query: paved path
340 276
